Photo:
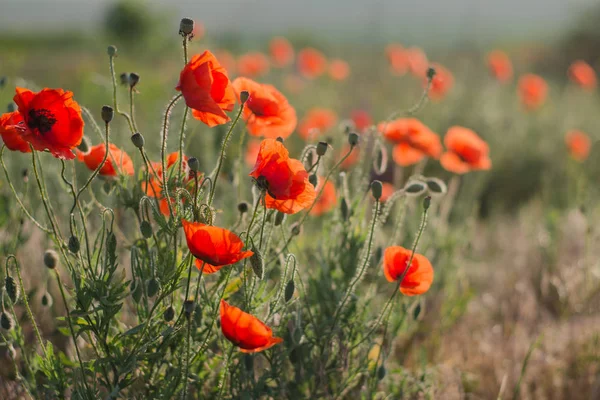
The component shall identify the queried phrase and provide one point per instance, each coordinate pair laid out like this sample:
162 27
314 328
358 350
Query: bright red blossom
51 121
327 199
266 112
311 63
339 70
213 246
397 58
117 162
417 280
317 121
417 62
579 145
441 83
362 120
465 151
413 140
500 66
246 331
583 75
533 91
253 64
11 134
282 52
206 89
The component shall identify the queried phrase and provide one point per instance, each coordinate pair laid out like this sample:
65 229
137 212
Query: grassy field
514 307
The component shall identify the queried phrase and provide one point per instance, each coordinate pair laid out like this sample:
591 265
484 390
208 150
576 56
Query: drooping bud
133 79
345 209
244 96
352 139
256 262
84 146
243 207
194 164
426 203
152 287
169 314
138 140
279 217
290 287
136 291
198 315
188 308
47 300
50 259
322 148
111 51
296 229
74 245
124 77
107 114
376 189
430 73
12 289
313 180
146 229
6 321
381 372
186 27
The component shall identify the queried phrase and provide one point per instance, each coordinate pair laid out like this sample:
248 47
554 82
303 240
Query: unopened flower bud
352 139
430 73
188 308
146 229
194 164
186 26
84 146
345 209
376 189
12 289
138 140
133 79
6 321
74 245
257 264
279 217
124 77
290 288
322 148
313 179
47 300
244 96
296 229
11 107
107 113
112 51
426 203
169 314
50 259
136 291
2 81
243 207
152 287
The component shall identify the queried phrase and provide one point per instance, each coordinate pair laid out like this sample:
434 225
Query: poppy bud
376 189
169 314
194 164
84 146
112 51
107 114
12 290
6 321
243 207
152 287
345 209
136 291
11 107
50 259
2 82
436 186
107 187
430 73
322 148
133 79
138 140
244 96
146 229
353 139
296 229
279 217
313 180
415 188
198 314
249 362
188 308
256 262
124 78
290 287
47 300
381 372
186 26
279 139
426 203
74 245
417 311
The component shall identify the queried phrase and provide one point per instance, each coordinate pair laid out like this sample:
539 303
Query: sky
418 20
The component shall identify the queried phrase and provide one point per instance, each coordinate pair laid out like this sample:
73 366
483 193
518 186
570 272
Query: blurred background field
520 257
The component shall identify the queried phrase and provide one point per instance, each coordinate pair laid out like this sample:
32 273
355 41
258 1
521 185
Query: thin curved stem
163 151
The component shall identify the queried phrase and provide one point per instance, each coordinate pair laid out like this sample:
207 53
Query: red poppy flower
413 140
253 64
387 190
398 59
11 134
583 75
419 277
465 151
117 162
284 178
155 185
311 63
579 145
266 112
252 152
246 331
213 246
362 120
533 91
339 70
206 89
52 120
500 66
417 62
327 199
282 52
441 83
316 121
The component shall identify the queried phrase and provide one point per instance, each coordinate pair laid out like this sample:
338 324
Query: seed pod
352 139
124 78
133 79
279 139
194 164
84 146
426 203
257 264
322 148
50 259
244 96
107 187
243 207
146 229
290 287
415 188
107 114
74 245
152 287
6 321
188 308
345 209
186 26
376 189
138 140
313 180
12 289
436 186
169 314
381 372
111 50
47 300
296 229
279 218
430 73
136 291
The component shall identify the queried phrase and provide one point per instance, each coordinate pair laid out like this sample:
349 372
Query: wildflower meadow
280 219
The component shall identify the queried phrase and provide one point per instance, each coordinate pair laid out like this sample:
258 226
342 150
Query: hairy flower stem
163 151
185 114
187 359
115 103
132 108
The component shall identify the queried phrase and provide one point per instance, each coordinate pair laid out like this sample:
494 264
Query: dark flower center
43 120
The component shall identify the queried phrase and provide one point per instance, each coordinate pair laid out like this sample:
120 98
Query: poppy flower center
41 119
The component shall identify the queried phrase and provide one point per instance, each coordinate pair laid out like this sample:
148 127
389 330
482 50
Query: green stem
163 152
115 103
